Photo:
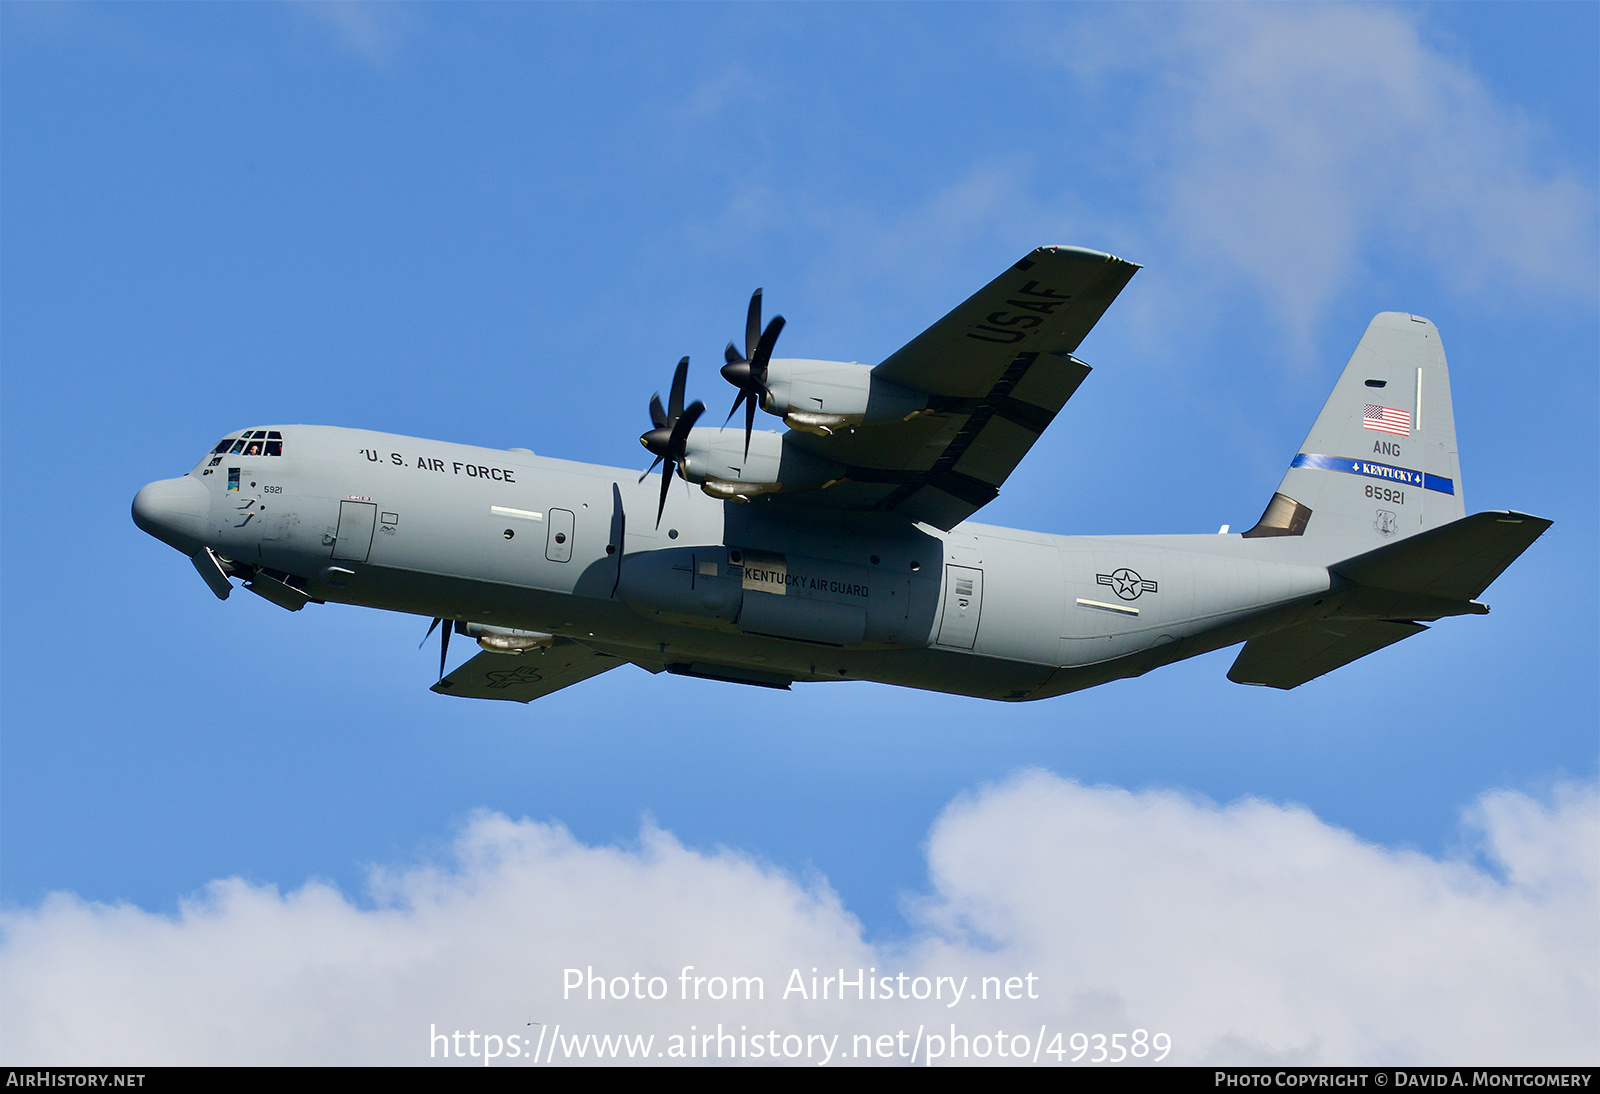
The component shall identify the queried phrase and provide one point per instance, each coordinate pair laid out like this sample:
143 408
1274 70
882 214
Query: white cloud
1247 933
1286 146
1264 934
1269 160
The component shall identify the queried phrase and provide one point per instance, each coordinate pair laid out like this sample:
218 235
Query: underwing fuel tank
762 593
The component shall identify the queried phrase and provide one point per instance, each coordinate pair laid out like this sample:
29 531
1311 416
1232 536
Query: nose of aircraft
174 511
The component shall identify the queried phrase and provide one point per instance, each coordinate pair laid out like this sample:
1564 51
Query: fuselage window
223 446
274 448
254 449
238 447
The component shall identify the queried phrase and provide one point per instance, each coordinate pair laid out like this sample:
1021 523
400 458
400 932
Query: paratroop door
356 522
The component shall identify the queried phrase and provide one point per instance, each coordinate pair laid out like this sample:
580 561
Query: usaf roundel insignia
1126 583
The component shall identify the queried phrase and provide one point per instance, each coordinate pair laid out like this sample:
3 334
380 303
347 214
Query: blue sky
503 224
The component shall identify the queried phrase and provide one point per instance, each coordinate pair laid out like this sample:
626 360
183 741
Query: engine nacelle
506 639
716 459
822 396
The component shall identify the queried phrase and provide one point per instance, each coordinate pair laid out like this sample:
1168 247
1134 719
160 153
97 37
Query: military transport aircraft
841 549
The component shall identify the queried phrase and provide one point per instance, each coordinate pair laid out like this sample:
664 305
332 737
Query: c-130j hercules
841 549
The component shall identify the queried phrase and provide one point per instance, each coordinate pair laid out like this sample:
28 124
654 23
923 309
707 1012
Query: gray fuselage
515 540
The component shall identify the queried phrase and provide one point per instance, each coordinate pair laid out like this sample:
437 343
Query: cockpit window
252 442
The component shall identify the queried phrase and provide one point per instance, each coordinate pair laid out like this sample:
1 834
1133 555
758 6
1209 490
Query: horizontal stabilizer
1455 561
1286 659
522 678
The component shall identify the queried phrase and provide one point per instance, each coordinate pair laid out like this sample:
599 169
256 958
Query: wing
525 677
996 370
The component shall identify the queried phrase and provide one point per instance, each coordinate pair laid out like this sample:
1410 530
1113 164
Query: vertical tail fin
1380 463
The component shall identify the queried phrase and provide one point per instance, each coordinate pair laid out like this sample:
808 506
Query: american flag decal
1386 419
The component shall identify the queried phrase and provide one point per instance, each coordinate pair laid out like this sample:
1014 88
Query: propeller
748 372
668 439
444 642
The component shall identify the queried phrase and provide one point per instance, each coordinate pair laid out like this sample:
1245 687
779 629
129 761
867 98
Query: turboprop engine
814 396
717 459
824 396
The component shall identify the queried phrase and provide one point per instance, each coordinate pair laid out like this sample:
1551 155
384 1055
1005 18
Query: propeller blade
666 484
730 355
431 628
680 430
658 417
676 446
749 421
763 353
444 648
737 400
675 401
752 326
642 477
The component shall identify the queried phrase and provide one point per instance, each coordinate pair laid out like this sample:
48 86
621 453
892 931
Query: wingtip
1088 253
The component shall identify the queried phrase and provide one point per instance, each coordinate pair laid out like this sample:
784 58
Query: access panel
558 547
963 601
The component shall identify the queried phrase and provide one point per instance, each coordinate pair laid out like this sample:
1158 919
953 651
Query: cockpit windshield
254 442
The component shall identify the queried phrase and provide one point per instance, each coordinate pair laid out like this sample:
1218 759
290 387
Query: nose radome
174 511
